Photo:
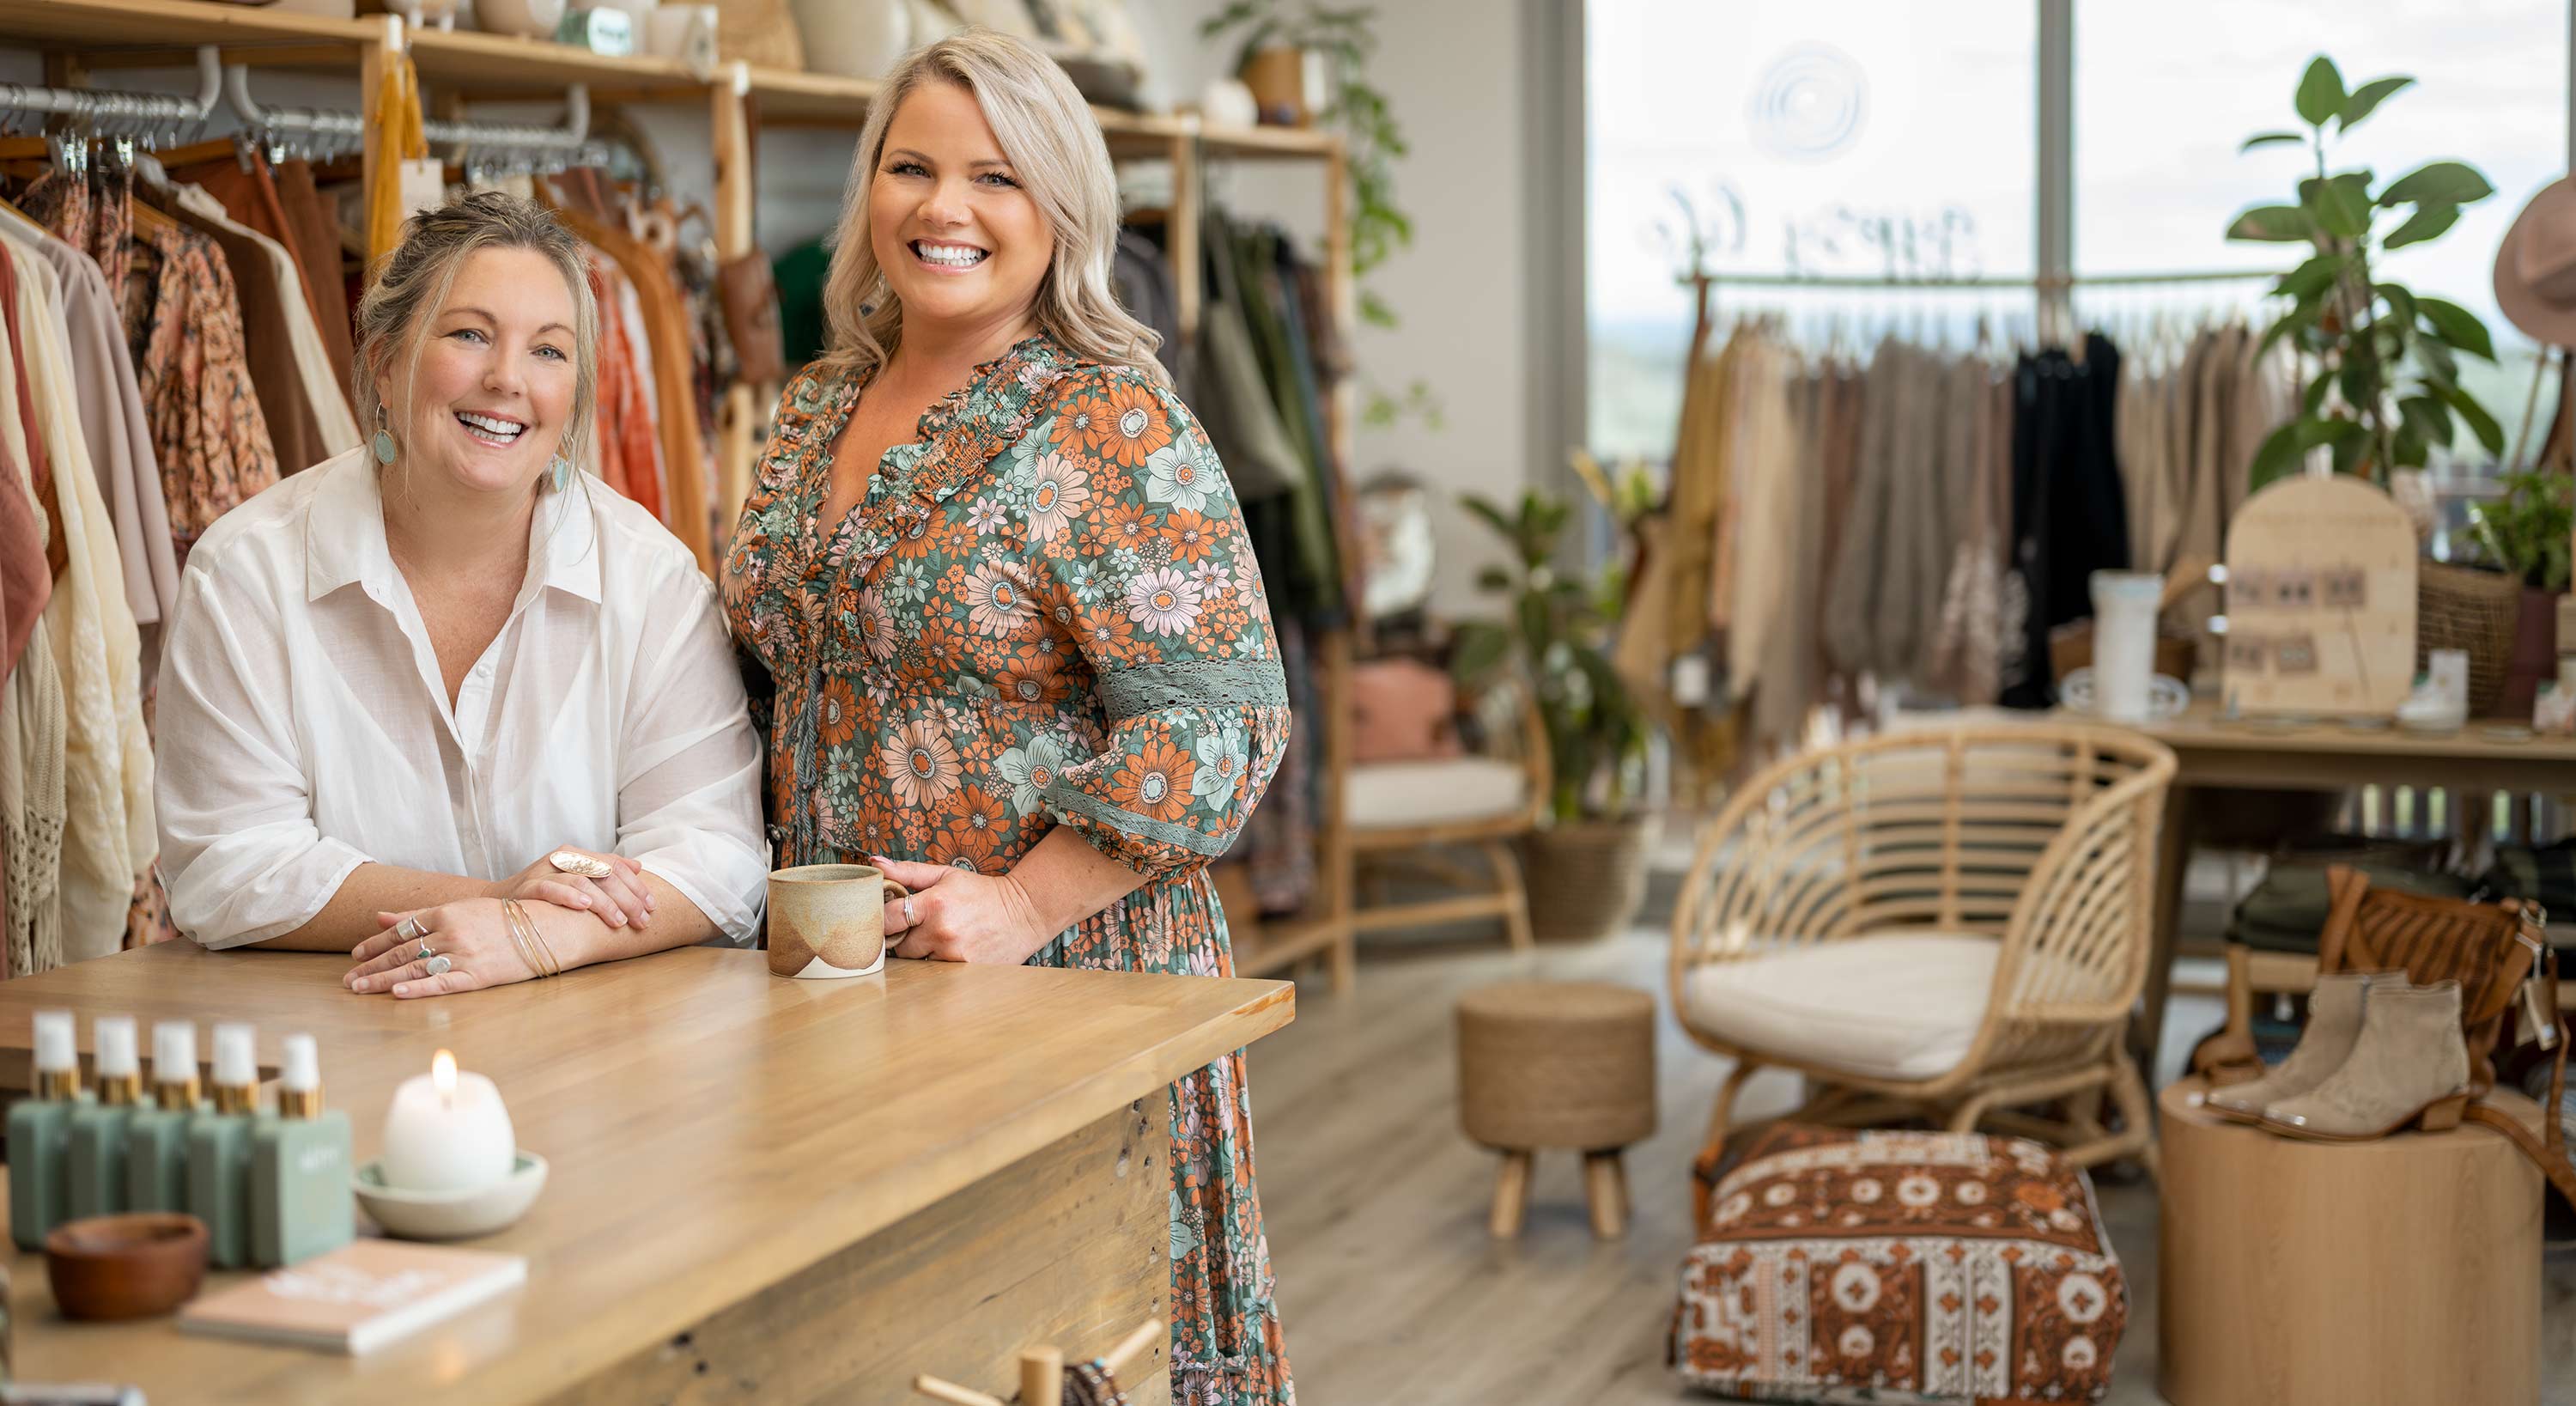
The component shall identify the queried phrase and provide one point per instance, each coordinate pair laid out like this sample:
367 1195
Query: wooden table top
712 1130
2250 752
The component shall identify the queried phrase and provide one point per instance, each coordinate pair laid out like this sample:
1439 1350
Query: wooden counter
760 1189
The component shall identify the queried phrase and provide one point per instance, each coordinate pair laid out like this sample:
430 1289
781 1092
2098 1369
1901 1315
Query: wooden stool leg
1602 1187
1511 1196
1507 879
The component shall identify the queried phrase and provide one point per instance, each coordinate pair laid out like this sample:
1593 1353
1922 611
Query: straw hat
2535 272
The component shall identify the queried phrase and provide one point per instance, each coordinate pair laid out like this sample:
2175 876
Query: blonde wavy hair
1056 153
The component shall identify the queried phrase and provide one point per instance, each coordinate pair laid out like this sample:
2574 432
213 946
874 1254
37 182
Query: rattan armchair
1949 923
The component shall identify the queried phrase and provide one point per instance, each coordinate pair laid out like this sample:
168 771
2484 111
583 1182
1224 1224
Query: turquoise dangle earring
386 450
562 472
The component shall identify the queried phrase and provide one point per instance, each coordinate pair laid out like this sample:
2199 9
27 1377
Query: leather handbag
2496 952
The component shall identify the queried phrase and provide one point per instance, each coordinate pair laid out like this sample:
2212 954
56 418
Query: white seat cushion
1891 1006
1438 791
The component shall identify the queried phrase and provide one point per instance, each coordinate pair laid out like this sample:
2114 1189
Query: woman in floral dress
1015 639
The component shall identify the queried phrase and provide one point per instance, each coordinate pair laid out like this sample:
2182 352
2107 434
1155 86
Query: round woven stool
1568 1064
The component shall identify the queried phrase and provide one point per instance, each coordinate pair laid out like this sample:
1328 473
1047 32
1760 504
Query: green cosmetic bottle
98 1130
219 1142
156 1139
40 1136
300 1204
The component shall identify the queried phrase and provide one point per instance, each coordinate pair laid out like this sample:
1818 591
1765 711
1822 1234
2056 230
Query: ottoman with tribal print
1842 1266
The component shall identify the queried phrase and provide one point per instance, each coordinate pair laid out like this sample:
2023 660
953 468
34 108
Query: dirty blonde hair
1057 155
412 284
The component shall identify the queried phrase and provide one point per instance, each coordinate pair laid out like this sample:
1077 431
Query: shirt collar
344 533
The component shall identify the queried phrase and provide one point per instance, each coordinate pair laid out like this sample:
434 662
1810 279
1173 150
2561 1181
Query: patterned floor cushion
1842 1266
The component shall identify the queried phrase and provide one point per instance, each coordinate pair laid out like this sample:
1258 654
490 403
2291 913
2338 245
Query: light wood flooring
1390 1289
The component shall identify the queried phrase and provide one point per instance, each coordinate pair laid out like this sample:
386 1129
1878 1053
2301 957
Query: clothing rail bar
573 135
117 108
1973 282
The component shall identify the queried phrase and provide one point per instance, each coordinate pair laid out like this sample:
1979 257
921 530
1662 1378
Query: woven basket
760 32
1586 880
2461 607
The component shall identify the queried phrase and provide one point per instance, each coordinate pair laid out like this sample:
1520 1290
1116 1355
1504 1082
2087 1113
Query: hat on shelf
2535 272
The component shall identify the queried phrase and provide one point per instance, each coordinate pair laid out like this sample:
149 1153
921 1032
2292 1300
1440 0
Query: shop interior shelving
81 39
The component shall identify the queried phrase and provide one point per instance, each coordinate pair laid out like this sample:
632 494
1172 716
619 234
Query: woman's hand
616 900
957 915
473 935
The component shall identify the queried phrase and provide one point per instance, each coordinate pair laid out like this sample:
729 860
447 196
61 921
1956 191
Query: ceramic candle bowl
130 1266
450 1215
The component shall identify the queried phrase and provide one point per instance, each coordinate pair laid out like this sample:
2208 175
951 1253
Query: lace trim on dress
1193 683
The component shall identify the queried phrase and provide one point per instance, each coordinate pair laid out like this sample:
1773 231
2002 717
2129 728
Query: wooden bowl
130 1266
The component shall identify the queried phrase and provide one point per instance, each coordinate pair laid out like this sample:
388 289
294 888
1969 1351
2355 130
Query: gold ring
574 862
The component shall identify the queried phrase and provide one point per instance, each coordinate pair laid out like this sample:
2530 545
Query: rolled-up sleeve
240 854
1158 577
688 786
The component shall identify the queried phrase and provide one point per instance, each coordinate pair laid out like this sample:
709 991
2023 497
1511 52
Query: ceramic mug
828 920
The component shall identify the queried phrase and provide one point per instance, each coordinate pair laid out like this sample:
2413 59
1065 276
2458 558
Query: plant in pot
1552 642
2385 390
2525 532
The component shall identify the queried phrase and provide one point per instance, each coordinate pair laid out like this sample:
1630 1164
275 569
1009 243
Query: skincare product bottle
40 1136
219 1143
156 1139
300 1204
99 1130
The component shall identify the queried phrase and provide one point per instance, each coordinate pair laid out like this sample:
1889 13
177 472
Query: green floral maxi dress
1043 611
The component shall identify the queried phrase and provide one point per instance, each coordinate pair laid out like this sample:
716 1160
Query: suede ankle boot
2410 1065
2334 1023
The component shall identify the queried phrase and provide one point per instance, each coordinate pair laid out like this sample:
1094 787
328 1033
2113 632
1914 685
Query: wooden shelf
108 26
461 59
1273 143
788 98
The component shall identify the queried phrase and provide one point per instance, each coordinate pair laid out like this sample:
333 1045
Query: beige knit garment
1767 453
32 747
110 838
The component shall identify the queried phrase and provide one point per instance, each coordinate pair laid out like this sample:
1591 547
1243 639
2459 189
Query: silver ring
439 965
424 954
908 919
411 930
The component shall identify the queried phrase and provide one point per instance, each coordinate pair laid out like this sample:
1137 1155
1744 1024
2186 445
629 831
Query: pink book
357 1298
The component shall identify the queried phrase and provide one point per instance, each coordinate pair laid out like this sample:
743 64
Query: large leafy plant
1555 635
2387 381
2527 529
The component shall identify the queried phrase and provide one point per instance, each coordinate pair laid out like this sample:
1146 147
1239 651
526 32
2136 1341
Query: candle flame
442 1072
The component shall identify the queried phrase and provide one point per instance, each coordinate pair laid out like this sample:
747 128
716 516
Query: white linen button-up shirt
305 730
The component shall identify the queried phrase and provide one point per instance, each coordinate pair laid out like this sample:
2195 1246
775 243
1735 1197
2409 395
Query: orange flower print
1061 493
1111 634
837 713
996 605
1127 525
1129 427
1190 535
1156 780
913 540
979 816
921 763
1073 428
1034 678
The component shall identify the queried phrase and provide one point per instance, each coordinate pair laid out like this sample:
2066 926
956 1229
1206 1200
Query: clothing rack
110 112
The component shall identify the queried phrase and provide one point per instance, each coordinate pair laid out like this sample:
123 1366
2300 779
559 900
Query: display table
2322 1274
2215 754
799 1189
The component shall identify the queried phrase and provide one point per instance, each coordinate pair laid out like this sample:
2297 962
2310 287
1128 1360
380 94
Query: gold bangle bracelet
511 918
546 947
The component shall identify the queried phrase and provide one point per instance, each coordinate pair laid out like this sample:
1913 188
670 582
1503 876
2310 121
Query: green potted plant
2525 532
1552 641
2386 387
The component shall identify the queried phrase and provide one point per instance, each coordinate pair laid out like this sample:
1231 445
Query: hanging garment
645 464
268 344
113 425
2069 506
303 372
313 234
108 838
686 468
252 198
1862 561
1770 457
1784 664
622 428
208 432
1142 279
1697 500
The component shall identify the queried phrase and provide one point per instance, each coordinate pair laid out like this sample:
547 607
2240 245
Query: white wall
1453 73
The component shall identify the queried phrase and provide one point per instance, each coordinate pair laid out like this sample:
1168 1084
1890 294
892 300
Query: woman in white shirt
419 692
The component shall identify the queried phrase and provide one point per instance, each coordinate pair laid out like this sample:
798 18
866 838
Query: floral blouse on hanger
1043 611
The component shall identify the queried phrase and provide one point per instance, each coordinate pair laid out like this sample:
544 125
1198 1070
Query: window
2160 112
1865 138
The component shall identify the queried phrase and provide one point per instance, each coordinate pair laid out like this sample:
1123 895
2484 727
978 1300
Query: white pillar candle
447 1131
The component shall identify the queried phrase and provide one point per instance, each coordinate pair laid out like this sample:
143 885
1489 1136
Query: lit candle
447 1131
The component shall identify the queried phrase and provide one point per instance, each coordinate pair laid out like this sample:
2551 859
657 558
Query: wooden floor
1390 1289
